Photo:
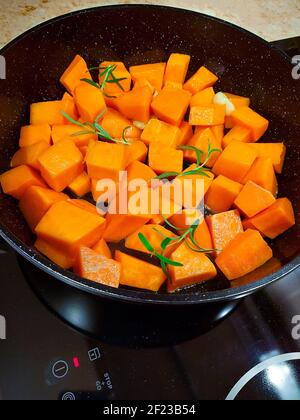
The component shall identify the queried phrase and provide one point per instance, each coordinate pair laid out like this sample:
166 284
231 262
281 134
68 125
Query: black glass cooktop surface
64 344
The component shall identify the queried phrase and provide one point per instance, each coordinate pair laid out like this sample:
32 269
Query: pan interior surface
245 64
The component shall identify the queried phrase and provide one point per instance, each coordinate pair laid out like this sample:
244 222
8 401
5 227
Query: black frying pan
246 64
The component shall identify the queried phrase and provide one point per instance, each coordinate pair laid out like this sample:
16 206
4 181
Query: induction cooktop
58 343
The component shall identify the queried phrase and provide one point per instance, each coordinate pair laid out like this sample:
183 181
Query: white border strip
257 370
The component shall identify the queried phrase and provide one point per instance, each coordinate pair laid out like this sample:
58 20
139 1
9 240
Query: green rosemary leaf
198 152
102 113
114 80
124 135
82 133
168 261
166 175
146 243
71 120
196 171
91 82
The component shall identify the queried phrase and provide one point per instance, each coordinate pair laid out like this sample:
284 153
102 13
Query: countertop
271 19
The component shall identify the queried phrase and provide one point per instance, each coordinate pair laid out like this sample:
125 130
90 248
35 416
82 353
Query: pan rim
140 296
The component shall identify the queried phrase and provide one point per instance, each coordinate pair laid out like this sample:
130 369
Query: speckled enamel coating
246 65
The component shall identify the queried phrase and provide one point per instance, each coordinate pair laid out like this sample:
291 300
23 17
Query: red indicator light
76 362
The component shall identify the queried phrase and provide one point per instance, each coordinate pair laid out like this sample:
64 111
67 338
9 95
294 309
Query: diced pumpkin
196 268
190 192
76 71
276 219
116 125
81 185
238 101
207 115
237 133
274 151
48 113
171 105
68 227
248 118
35 203
142 82
270 267
186 133
136 150
136 104
154 73
253 199
84 205
113 89
102 248
162 133
235 161
89 101
203 98
155 235
177 68
262 173
29 155
105 160
245 253
63 132
138 170
222 194
97 268
202 141
139 274
162 204
247 224
203 237
186 218
173 85
165 159
61 164
120 226
16 181
203 79
32 134
56 255
224 227
70 107
218 131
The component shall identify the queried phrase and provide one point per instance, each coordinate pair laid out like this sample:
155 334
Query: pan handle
290 46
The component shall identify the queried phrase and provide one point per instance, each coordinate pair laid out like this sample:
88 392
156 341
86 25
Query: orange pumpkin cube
29 155
102 248
68 227
186 133
139 274
115 124
32 134
274 151
253 199
203 79
177 68
250 119
171 105
235 161
63 132
97 268
207 115
61 164
76 71
89 101
136 150
237 133
263 174
114 89
245 253
222 194
154 73
161 133
16 181
35 203
203 98
224 227
54 254
136 104
81 185
202 140
48 113
165 159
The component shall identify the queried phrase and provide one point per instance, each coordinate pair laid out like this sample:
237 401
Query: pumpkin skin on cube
247 252
139 274
16 181
61 164
197 268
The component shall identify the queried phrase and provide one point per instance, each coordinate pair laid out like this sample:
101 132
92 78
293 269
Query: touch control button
60 369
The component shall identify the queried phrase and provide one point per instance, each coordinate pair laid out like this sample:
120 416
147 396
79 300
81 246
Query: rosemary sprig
108 78
164 262
93 128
